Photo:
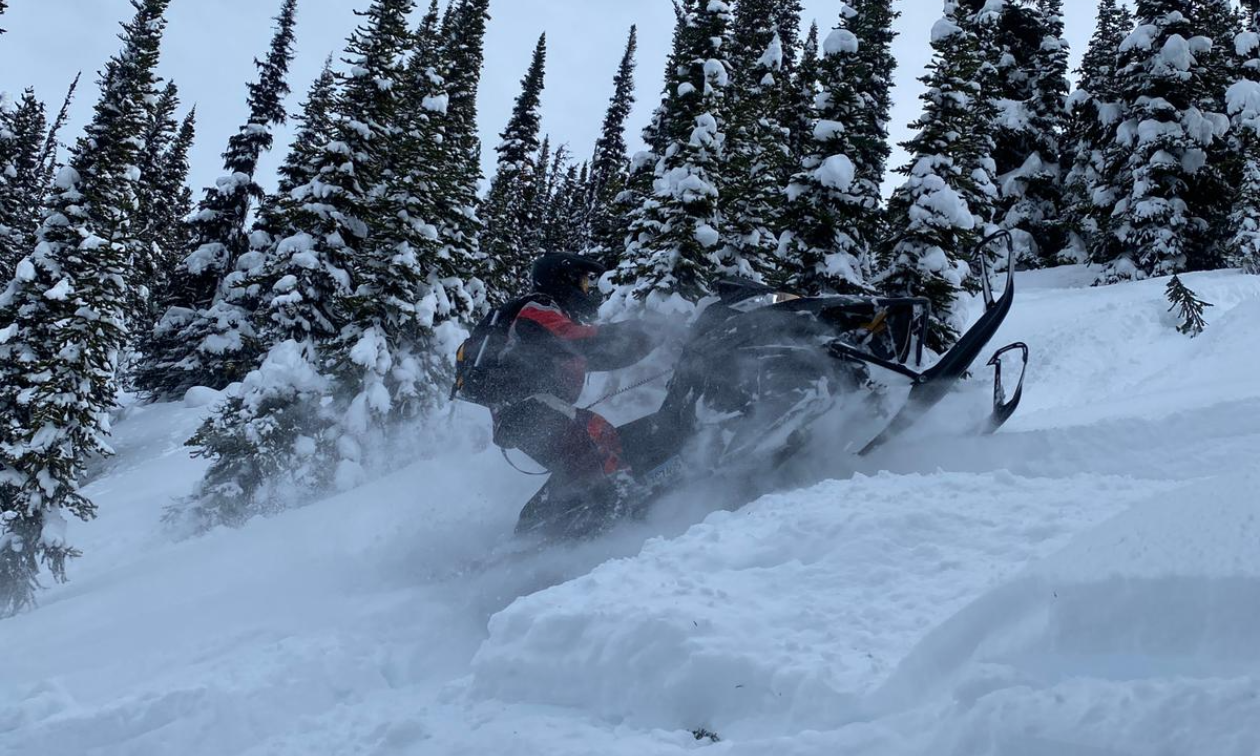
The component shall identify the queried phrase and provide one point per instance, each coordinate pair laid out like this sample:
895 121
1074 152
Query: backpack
479 374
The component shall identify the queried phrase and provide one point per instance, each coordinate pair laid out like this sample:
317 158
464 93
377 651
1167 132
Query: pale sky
210 46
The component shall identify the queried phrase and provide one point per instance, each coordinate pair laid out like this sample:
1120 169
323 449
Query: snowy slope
1085 582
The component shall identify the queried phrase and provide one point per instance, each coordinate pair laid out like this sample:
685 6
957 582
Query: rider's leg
559 436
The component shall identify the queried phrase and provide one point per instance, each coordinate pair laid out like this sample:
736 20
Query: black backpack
479 374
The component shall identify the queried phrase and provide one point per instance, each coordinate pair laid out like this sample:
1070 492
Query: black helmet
567 279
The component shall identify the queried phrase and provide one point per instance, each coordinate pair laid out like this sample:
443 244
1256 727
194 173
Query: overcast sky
210 46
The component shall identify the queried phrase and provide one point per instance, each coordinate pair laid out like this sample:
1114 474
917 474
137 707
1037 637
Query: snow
61 291
1246 44
840 41
772 58
1243 98
707 235
1176 53
1140 38
836 172
437 103
826 130
944 29
715 73
1082 583
201 396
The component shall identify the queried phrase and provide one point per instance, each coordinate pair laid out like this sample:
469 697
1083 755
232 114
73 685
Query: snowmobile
761 368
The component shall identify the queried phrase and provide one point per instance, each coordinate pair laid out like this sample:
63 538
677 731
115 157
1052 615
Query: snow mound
737 622
201 396
1139 637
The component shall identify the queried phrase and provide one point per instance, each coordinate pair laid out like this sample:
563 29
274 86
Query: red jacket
550 353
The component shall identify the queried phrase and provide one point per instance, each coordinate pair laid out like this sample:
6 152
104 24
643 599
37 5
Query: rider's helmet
572 281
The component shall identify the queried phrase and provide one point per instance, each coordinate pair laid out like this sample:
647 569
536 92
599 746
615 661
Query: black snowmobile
760 370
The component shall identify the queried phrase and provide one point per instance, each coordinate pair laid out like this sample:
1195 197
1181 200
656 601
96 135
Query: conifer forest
311 313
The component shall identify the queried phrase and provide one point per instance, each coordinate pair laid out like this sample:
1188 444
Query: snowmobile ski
933 384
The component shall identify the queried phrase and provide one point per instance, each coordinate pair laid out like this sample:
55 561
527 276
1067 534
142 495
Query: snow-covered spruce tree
390 361
610 166
148 248
64 317
277 439
1243 97
823 247
539 190
674 239
23 129
800 109
511 238
1214 185
1036 202
640 181
1026 84
787 21
948 195
756 162
1166 137
1094 110
462 50
874 66
314 130
203 336
28 158
561 214
568 223
49 160
170 206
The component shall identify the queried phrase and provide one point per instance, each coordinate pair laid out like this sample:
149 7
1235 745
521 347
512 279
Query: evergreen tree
172 204
1188 306
65 322
641 179
1215 184
149 250
1026 83
202 336
801 114
511 240
675 235
576 192
463 52
389 362
314 131
52 144
756 162
872 73
346 291
1166 138
610 166
1091 186
824 249
4 5
22 136
564 203
948 194
787 23
1243 99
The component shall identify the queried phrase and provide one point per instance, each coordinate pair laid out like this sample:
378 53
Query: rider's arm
618 345
609 347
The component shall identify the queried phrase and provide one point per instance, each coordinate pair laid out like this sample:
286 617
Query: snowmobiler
528 363
760 372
